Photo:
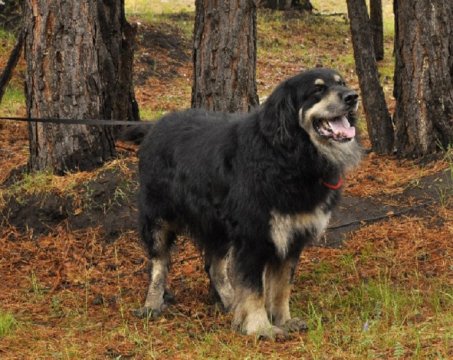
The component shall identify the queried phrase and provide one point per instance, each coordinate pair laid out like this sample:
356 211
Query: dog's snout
350 98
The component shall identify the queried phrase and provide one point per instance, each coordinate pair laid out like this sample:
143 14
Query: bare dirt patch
419 198
107 201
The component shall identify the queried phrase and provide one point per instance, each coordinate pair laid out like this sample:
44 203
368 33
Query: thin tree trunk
224 55
378 119
423 76
377 28
79 65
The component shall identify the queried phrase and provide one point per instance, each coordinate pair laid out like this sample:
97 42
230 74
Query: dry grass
386 175
388 291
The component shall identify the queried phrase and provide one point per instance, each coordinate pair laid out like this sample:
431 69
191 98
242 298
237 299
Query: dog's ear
279 115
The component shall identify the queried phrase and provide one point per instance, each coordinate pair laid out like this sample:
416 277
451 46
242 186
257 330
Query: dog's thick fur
252 189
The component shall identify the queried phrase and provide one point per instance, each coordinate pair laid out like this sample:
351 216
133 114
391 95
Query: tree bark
79 65
378 119
377 28
224 55
423 76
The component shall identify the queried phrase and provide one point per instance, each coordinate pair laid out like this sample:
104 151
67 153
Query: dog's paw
147 313
218 307
295 325
273 333
169 298
226 308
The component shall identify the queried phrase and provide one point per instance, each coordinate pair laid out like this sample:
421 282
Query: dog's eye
320 88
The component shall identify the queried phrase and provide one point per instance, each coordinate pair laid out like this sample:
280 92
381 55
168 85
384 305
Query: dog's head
319 104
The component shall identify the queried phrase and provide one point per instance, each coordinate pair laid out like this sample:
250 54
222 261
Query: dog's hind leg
278 282
159 238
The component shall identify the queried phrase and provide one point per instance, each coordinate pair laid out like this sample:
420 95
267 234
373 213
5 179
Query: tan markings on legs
249 313
159 270
218 273
278 290
155 297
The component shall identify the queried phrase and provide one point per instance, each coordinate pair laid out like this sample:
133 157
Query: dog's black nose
350 98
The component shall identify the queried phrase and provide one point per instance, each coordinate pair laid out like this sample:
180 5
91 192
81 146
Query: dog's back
184 173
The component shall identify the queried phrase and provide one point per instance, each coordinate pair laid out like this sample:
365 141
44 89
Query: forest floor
379 285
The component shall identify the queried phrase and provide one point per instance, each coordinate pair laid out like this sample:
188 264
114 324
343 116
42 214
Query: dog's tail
134 133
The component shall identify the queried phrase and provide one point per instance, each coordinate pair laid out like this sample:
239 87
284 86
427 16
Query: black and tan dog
252 190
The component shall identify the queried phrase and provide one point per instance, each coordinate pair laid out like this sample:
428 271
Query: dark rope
101 122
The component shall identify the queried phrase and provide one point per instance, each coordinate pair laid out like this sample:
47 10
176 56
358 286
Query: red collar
336 186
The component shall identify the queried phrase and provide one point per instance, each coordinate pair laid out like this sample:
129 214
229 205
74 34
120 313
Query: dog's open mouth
337 128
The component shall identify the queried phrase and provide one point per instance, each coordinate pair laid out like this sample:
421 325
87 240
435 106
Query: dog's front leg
278 282
249 312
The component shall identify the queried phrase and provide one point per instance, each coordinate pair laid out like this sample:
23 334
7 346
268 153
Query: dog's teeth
345 121
326 126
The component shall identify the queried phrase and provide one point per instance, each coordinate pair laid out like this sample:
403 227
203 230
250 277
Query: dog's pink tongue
342 128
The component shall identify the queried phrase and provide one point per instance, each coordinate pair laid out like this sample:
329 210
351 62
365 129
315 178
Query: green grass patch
37 183
386 70
7 40
373 318
177 12
304 41
448 157
34 183
7 323
13 101
146 8
330 6
37 290
151 114
388 19
347 60
379 300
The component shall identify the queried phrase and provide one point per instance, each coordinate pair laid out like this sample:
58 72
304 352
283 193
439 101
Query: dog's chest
284 227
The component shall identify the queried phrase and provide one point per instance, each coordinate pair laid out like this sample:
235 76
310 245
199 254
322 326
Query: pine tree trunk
378 119
79 65
423 76
377 28
224 55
